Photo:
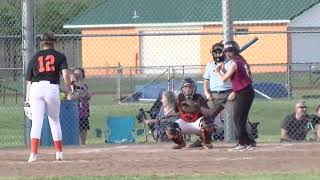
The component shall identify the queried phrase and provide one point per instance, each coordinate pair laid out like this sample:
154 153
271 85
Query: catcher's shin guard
174 133
206 134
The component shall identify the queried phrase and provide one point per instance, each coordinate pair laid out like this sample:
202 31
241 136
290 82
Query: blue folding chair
120 129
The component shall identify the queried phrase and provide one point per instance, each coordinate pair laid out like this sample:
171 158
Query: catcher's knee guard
174 133
206 128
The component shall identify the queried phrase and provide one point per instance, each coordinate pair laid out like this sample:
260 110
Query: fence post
169 78
27 51
289 86
227 26
131 80
310 74
119 74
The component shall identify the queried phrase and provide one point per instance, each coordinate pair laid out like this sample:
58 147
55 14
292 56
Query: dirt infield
159 159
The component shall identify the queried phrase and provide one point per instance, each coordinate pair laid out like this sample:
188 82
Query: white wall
170 50
305 47
306 43
310 18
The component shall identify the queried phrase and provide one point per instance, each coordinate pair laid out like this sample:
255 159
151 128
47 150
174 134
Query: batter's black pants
243 104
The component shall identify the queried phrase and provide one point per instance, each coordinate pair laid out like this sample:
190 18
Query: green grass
217 177
269 113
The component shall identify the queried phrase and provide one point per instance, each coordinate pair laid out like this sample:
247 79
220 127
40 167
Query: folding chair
120 129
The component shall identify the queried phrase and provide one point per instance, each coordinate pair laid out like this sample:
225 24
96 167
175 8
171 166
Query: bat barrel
248 44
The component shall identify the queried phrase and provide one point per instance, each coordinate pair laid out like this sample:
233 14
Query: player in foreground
43 78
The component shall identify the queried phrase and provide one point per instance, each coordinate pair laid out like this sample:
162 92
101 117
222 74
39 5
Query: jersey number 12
46 64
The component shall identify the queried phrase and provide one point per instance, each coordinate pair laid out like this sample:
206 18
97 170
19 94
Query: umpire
218 91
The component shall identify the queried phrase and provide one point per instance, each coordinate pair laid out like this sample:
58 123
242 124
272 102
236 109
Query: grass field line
12 162
154 148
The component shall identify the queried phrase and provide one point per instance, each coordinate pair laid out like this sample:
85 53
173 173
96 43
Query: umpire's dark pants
243 104
220 103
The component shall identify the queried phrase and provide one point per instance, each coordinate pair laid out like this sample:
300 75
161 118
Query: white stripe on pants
44 97
189 128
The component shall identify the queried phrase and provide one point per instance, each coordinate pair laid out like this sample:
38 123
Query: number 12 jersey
46 65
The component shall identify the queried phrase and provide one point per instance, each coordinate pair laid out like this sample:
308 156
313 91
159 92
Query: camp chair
120 129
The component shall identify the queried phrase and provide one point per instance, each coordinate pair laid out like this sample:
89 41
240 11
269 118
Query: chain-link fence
133 50
12 133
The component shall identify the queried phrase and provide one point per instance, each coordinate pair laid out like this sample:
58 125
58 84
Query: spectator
295 125
315 122
80 92
170 114
194 117
243 93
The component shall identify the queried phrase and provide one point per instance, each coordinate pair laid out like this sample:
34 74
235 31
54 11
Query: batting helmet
231 46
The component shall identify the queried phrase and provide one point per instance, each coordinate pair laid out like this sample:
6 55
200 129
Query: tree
51 15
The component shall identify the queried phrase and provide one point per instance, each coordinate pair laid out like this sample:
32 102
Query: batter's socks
58 146
34 145
34 149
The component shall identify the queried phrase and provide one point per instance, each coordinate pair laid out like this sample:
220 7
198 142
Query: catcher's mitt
27 110
189 106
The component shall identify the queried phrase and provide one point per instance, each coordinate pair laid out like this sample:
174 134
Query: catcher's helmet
188 82
231 46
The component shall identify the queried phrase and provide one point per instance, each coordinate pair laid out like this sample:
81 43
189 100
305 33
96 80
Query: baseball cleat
32 157
250 147
179 146
238 147
207 146
59 156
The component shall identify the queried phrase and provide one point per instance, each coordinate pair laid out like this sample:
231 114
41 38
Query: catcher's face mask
218 55
188 91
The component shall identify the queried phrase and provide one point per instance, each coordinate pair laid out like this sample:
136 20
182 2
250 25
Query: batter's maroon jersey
46 65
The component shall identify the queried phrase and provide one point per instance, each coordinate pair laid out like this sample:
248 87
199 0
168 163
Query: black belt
223 91
51 82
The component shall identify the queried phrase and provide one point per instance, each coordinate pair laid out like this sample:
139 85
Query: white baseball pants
44 97
189 128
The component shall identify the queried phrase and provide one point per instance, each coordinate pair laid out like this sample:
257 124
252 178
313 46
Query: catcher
194 117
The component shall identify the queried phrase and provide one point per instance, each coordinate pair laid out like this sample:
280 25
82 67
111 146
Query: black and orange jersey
46 65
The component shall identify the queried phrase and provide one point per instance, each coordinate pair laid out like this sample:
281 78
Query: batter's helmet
231 46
